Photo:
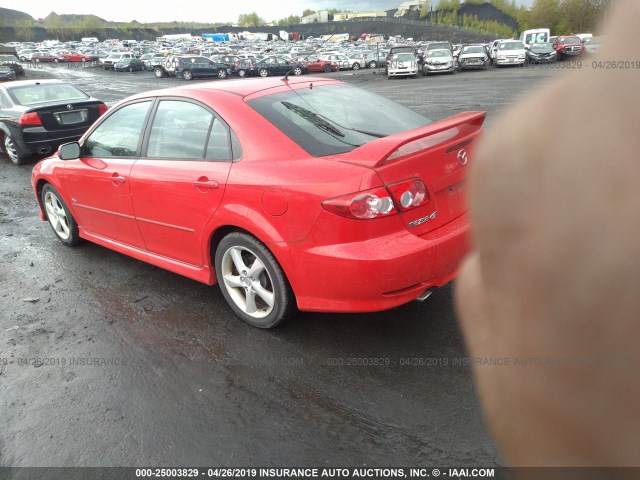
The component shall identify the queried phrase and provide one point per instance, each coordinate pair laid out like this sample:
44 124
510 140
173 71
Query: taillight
380 202
102 108
362 205
409 194
31 118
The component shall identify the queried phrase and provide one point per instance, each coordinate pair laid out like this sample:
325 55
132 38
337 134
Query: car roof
241 87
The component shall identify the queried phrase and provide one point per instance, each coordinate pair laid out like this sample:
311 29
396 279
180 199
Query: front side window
119 134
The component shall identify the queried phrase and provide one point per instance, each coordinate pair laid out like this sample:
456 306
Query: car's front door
178 183
98 182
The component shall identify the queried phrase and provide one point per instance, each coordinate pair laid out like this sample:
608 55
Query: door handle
210 184
118 179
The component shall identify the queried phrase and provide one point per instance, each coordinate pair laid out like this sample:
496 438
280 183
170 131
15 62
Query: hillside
486 11
9 18
15 25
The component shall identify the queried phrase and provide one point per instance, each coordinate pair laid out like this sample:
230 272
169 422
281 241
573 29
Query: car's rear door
177 185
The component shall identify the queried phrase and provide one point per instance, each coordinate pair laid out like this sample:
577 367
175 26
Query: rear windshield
46 92
335 119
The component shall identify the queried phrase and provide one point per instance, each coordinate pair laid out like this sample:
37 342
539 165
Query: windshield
511 46
475 49
405 57
570 40
335 119
541 47
439 53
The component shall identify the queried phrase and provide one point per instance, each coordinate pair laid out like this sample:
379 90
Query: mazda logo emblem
462 157
69 107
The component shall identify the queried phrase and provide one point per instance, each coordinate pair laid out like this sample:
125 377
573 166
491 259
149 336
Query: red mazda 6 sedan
301 194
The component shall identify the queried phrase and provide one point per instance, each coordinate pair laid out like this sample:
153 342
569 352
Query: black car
271 66
189 67
6 74
13 63
129 65
36 117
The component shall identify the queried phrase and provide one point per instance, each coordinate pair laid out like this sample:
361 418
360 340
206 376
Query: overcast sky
192 10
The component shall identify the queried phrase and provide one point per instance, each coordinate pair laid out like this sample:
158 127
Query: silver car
439 60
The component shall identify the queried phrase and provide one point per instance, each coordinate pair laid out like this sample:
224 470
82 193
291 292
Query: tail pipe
44 150
424 295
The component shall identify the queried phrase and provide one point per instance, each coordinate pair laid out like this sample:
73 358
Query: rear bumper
378 273
38 141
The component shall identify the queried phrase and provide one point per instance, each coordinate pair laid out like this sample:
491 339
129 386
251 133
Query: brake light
30 118
380 202
102 109
409 194
362 205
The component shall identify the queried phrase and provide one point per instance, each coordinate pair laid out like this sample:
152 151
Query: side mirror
69 151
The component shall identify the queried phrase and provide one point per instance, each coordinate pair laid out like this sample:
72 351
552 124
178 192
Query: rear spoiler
376 153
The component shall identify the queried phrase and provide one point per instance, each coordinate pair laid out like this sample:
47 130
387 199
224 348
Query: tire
373 64
59 217
297 71
252 282
130 69
55 60
326 68
158 72
222 73
242 73
263 72
187 75
23 59
37 60
13 151
355 66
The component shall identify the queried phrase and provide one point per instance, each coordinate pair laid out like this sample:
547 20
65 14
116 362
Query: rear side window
184 130
335 119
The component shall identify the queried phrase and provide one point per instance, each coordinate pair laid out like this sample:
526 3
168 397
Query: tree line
562 17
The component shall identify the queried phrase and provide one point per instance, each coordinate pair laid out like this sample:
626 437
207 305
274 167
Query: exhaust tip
424 295
44 150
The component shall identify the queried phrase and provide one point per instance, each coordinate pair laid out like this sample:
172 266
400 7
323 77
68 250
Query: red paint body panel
166 212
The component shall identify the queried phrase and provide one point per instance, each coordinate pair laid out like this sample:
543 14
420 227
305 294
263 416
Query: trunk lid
69 115
439 154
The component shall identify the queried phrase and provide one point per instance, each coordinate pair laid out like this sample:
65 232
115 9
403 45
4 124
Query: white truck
535 35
